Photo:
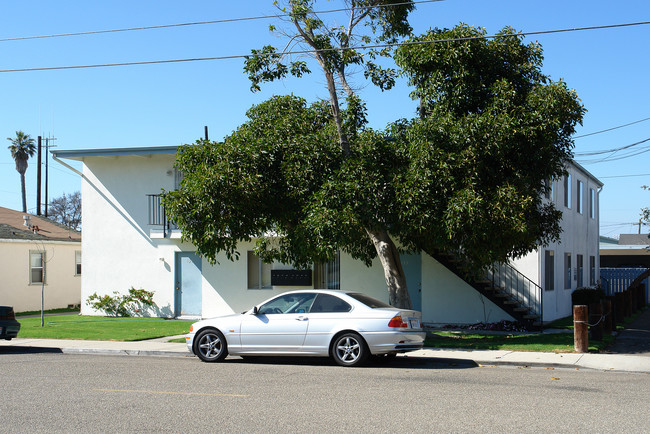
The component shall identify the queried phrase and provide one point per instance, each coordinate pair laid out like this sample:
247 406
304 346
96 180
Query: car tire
211 346
349 349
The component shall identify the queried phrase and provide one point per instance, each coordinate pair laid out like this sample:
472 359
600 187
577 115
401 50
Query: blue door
188 284
412 266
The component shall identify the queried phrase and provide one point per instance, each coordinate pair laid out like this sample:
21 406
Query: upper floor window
579 196
550 189
592 203
567 191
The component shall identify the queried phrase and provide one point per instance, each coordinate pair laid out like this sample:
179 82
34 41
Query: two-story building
127 241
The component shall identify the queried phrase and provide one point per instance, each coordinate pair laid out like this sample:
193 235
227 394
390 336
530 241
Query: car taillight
397 321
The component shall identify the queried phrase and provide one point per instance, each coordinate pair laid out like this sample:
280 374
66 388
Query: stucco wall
62 286
118 250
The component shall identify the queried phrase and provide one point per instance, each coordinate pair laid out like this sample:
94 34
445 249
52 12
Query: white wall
118 251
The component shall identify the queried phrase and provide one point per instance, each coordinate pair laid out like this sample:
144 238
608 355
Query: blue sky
169 104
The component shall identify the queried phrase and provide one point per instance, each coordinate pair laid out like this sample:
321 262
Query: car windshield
368 301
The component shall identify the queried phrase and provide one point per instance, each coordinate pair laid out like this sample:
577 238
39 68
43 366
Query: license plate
415 323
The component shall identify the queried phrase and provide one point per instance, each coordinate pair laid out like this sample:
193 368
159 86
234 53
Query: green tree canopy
467 176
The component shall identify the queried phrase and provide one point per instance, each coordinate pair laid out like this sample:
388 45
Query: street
53 392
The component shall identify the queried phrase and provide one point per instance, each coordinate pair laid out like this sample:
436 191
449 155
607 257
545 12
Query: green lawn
544 342
100 328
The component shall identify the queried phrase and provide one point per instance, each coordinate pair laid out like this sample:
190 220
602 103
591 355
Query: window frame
579 187
33 268
567 191
549 270
77 262
567 271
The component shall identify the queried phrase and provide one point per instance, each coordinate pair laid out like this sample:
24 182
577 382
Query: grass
101 328
543 342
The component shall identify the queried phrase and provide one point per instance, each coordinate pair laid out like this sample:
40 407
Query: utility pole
206 133
47 151
38 179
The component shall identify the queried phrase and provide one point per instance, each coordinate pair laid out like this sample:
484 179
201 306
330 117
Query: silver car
347 326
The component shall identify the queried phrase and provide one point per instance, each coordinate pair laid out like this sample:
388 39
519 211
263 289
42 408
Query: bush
122 304
587 296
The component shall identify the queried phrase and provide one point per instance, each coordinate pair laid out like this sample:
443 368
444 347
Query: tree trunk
393 272
22 186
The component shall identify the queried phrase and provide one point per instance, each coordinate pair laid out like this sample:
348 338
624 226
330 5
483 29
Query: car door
327 315
279 326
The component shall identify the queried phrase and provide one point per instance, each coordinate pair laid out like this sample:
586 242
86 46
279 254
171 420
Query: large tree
66 210
467 176
493 131
22 147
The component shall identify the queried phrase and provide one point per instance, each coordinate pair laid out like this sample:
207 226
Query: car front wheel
349 349
211 346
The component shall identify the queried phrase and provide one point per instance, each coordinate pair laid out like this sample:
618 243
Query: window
77 262
567 271
259 273
36 267
567 191
328 275
288 303
580 270
329 303
550 190
592 270
579 197
549 270
592 203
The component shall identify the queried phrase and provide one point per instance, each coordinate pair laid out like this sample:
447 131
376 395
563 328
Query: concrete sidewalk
160 347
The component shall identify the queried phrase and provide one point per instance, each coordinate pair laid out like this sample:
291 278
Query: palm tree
22 147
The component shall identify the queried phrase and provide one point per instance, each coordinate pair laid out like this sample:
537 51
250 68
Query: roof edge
77 154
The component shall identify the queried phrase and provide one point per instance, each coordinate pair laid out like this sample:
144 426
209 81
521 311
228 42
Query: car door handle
301 318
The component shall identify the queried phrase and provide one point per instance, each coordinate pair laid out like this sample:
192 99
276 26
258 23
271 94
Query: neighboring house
38 256
129 242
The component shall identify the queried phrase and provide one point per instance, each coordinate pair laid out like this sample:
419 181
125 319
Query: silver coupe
347 326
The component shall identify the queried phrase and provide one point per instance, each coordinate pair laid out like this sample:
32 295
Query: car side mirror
255 310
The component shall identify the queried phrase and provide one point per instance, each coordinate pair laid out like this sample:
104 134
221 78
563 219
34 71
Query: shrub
122 304
587 296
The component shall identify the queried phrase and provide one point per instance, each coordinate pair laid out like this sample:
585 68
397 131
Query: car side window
288 303
329 303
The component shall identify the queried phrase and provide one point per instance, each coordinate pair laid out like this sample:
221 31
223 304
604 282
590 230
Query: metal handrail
519 287
157 213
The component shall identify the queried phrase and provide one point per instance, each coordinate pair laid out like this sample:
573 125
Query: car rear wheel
211 346
349 349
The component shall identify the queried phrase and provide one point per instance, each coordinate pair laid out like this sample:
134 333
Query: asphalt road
50 392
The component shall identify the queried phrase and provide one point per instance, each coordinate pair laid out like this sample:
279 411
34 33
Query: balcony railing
157 214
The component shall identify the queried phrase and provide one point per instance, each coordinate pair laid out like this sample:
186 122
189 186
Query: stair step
502 295
532 316
496 288
511 302
521 309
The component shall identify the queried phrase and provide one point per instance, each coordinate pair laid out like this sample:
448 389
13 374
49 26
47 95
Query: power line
624 176
200 23
611 129
286 53
589 154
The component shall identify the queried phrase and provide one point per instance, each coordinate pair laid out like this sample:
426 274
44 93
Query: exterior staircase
505 286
